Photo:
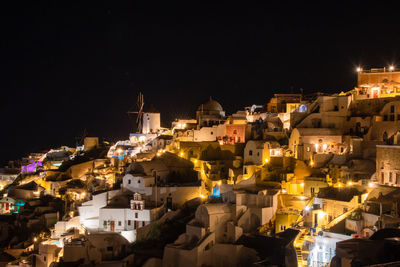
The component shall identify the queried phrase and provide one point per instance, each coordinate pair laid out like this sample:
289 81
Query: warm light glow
302 184
316 146
181 154
311 163
119 151
371 184
324 146
142 138
34 239
350 183
266 160
359 69
339 185
302 197
195 161
307 208
83 194
219 182
158 154
321 214
202 196
391 68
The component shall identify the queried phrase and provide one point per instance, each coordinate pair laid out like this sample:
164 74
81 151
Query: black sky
66 68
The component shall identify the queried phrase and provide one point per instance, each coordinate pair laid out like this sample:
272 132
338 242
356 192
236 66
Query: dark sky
66 68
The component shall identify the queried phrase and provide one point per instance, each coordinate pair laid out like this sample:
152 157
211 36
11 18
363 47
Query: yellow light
83 194
34 239
391 68
219 182
202 196
359 69
158 154
311 163
316 146
302 197
142 138
321 214
163 151
266 160
339 185
371 184
324 146
350 183
302 184
181 154
195 161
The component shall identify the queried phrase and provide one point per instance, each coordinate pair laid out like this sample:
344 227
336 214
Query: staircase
298 245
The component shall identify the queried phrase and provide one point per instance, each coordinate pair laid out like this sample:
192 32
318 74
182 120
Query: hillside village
295 180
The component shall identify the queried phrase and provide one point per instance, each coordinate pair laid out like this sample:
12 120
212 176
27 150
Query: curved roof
210 105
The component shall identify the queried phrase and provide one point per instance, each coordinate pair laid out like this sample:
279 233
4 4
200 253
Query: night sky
66 68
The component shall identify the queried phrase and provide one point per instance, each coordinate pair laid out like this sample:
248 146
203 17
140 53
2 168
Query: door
112 226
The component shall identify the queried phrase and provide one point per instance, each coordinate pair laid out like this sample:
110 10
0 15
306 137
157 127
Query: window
109 248
250 152
308 149
234 132
136 215
129 222
44 258
104 224
392 109
258 153
345 210
392 117
390 177
119 223
382 177
129 181
385 117
212 133
397 178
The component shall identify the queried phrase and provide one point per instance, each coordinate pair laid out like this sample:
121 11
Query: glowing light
181 154
350 183
391 68
311 163
266 160
158 154
359 69
202 196
35 239
371 184
284 191
316 146
302 184
83 194
195 161
324 146
142 138
119 151
321 214
339 185
302 197
163 151
219 182
307 208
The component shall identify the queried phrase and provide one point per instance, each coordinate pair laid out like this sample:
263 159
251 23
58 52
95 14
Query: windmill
140 104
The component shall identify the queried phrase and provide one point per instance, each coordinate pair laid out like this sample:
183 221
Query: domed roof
210 105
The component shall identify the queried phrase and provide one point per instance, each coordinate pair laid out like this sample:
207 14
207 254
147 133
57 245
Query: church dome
210 105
